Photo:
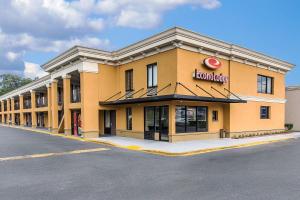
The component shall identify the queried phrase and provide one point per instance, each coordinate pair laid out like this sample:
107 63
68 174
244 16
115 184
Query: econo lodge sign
214 64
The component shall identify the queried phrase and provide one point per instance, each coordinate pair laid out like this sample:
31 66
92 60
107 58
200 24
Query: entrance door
157 121
110 122
41 120
76 122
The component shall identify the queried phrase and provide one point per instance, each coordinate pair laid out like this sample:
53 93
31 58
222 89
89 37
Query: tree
9 82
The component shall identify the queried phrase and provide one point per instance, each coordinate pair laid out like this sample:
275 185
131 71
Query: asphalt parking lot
262 172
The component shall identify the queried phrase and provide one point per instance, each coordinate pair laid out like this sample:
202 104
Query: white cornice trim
260 99
177 36
29 87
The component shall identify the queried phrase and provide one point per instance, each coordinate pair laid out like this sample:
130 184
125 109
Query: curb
190 153
155 152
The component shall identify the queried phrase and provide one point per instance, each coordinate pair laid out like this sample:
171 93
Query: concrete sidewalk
175 149
190 147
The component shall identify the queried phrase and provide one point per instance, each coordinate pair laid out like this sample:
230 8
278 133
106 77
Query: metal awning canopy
171 97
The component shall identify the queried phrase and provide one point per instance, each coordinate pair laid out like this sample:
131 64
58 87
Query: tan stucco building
176 85
292 109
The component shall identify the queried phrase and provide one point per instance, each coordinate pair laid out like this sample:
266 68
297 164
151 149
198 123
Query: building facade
174 86
292 111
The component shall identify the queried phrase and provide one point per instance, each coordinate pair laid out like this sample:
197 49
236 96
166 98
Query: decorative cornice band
27 88
176 37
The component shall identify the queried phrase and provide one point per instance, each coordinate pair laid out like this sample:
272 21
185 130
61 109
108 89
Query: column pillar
49 125
12 101
2 109
8 119
33 106
54 106
172 125
67 101
21 102
89 87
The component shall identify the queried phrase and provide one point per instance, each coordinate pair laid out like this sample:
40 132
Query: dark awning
171 97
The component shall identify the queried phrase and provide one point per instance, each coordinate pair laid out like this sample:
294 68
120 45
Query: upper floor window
129 80
75 95
152 75
264 84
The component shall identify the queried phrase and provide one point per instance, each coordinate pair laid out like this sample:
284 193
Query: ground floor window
17 119
215 115
265 112
27 117
129 118
191 119
40 120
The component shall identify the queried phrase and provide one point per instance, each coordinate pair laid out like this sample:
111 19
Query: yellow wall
187 63
175 65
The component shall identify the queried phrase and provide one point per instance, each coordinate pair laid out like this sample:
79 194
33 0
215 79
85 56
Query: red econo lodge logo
212 63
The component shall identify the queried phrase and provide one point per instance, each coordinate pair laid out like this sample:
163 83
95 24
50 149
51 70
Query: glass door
164 123
110 122
107 124
157 121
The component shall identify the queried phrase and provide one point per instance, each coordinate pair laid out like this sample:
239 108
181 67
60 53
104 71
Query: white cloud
33 70
12 56
146 13
56 25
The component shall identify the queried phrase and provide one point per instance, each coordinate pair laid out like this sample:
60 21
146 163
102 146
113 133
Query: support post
67 101
54 106
49 125
33 106
12 100
89 104
2 107
21 101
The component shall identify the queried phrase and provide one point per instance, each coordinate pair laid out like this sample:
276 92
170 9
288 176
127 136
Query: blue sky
47 28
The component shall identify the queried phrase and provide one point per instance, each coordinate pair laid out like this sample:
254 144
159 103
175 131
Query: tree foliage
9 82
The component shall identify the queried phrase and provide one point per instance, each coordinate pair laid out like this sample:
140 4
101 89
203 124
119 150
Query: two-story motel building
176 85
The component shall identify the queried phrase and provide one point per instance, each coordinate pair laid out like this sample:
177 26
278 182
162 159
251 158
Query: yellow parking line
52 154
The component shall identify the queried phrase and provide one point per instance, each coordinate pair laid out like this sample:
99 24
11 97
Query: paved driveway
261 172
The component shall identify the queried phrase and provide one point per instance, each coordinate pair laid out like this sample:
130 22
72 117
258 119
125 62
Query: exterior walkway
192 146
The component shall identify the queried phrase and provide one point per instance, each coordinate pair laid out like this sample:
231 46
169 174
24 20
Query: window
128 118
129 80
264 84
191 119
75 95
152 75
265 112
215 116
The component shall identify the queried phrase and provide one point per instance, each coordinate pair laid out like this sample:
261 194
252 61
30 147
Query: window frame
128 121
198 128
268 110
262 81
215 115
152 85
129 75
